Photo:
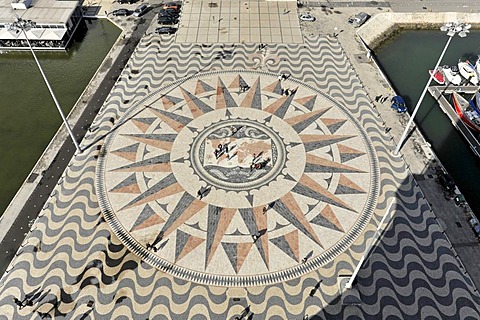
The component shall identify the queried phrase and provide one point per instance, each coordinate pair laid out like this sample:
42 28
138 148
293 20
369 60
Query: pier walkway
439 92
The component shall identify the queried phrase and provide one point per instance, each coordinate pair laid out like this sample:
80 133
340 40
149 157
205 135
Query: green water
28 116
406 61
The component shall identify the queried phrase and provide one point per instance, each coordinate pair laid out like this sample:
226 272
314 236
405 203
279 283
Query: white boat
452 75
467 70
466 112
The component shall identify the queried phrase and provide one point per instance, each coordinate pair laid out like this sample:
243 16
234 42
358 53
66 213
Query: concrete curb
381 26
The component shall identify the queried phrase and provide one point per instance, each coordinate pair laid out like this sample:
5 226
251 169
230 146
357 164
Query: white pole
412 116
375 239
77 146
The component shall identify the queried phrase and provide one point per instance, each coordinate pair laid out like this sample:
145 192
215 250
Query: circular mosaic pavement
224 179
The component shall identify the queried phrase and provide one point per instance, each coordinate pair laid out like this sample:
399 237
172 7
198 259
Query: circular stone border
238 281
278 166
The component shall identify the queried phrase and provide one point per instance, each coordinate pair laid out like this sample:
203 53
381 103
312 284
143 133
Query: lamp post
451 28
374 241
24 25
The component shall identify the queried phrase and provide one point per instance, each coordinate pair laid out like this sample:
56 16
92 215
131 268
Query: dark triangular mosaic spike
289 177
328 219
158 188
307 102
169 101
280 107
202 87
212 225
335 126
252 224
128 152
347 153
250 198
181 241
147 164
238 82
283 245
312 142
231 251
295 217
347 186
146 214
301 122
143 123
253 99
346 190
175 121
131 148
323 222
224 98
275 87
129 185
195 104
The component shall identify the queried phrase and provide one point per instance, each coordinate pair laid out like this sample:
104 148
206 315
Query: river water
406 60
28 116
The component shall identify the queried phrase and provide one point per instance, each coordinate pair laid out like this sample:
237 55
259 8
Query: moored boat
467 70
451 75
466 112
438 75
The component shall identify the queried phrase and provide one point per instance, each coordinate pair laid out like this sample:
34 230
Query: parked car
172 12
171 5
165 30
121 12
475 227
167 20
399 104
168 13
446 181
358 19
141 10
126 1
307 17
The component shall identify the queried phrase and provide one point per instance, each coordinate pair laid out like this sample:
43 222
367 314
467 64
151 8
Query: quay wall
382 26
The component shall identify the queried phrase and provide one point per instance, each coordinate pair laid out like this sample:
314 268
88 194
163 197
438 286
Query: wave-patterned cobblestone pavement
72 266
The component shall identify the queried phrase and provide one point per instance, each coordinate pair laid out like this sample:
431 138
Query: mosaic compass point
249 199
202 87
240 194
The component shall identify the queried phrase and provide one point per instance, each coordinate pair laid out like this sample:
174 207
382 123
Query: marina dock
438 93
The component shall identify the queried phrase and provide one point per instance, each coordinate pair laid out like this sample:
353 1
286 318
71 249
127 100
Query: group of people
258 163
223 149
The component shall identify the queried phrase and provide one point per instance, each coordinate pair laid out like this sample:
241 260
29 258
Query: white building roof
40 11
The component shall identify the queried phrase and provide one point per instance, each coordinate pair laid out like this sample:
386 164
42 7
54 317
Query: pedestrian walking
200 193
18 303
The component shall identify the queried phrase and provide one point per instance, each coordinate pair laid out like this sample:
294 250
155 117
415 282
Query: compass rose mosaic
224 179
